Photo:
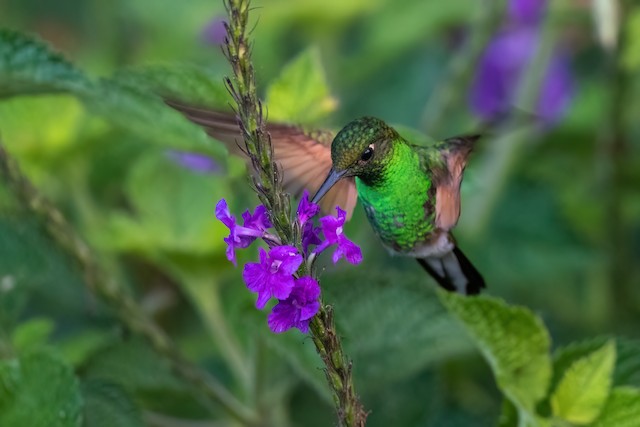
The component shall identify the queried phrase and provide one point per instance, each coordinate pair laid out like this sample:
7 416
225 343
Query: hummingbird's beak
333 177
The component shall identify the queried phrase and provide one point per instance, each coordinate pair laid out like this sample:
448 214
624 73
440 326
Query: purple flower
310 236
298 309
528 12
242 236
215 32
273 275
194 161
506 60
259 220
306 209
333 233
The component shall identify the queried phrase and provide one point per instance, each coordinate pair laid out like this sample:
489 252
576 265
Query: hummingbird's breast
401 206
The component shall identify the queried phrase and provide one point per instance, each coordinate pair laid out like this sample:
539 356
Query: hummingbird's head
359 149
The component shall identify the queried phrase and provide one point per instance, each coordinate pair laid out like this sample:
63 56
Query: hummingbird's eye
366 154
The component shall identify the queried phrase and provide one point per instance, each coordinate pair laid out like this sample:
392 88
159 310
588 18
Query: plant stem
112 293
267 180
613 150
448 94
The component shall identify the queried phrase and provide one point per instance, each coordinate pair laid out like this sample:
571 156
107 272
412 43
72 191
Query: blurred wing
305 157
453 154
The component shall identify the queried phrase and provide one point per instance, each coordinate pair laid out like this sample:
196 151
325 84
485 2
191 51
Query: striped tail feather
454 272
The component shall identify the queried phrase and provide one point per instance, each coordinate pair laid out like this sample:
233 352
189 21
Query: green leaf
627 369
174 210
145 114
513 340
508 415
132 365
583 390
37 268
621 410
61 118
397 330
32 334
39 390
301 93
29 66
187 83
109 405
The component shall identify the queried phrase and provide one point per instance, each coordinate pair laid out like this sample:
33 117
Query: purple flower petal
334 235
215 32
196 162
223 214
500 73
526 12
306 209
273 275
241 236
349 250
259 220
298 309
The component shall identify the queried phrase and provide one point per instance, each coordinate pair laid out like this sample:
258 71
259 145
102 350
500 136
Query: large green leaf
39 390
132 365
29 66
109 405
584 388
301 93
143 113
32 334
513 340
187 83
626 371
173 207
393 327
34 265
621 410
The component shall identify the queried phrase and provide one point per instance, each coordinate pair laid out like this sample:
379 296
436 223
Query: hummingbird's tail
454 272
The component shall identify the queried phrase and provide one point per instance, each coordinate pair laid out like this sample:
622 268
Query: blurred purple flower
194 161
215 32
298 309
306 209
242 236
507 59
528 12
334 235
273 275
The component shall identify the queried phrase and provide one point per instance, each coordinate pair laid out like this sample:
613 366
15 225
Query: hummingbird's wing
305 157
446 162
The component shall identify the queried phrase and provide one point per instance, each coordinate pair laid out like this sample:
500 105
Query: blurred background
550 212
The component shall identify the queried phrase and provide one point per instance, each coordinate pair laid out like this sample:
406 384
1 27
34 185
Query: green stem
113 294
267 181
206 298
613 148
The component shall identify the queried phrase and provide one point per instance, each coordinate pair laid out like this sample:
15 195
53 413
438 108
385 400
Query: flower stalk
267 181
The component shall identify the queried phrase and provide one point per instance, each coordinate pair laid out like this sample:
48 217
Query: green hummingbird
410 192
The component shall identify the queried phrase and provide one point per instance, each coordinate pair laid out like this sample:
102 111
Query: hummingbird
410 192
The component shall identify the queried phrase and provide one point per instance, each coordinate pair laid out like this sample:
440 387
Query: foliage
556 244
